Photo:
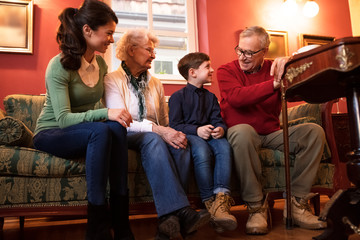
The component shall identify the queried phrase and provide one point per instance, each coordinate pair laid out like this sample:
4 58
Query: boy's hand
205 131
218 133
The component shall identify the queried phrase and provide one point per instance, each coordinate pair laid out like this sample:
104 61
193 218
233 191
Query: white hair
133 37
260 32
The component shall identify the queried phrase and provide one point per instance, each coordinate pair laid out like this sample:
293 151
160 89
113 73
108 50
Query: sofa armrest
2 114
14 132
300 121
305 110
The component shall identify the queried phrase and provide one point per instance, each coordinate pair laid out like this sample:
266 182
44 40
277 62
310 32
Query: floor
144 227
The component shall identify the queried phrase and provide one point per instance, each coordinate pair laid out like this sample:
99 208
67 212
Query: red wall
218 26
219 23
22 73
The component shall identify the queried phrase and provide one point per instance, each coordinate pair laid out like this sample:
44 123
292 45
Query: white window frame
191 35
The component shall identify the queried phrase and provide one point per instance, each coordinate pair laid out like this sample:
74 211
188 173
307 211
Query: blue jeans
166 168
105 148
204 153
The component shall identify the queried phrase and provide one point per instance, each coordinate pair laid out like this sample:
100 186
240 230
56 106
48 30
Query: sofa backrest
304 113
27 108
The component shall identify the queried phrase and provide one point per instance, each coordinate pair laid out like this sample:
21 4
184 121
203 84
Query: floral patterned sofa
34 183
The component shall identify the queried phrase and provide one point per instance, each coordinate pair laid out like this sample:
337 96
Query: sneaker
220 212
257 223
191 220
302 215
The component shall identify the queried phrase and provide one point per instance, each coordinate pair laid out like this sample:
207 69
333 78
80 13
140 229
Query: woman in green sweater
68 125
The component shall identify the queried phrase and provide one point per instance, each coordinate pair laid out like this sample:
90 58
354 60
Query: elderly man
251 105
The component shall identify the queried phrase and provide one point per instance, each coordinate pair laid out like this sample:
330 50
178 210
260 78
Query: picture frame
278 44
308 39
16 26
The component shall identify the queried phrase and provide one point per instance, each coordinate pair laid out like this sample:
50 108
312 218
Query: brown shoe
302 214
257 223
216 227
220 213
208 203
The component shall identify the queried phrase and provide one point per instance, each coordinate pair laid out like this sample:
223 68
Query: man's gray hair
133 37
260 32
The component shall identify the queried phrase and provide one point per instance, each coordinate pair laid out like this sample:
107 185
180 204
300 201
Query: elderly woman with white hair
164 152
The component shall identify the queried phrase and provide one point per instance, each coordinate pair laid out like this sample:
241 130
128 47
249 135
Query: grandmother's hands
121 116
174 138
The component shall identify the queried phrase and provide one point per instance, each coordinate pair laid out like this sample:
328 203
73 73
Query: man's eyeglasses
247 54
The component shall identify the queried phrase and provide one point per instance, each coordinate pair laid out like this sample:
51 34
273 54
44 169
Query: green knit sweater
68 100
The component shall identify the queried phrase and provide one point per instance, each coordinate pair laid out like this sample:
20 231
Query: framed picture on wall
278 44
307 39
16 26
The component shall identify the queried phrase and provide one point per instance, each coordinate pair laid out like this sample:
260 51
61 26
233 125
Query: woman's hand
175 138
121 116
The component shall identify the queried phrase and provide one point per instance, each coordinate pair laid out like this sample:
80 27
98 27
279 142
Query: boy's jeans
211 179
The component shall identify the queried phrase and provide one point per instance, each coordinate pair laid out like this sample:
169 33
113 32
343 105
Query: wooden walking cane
286 155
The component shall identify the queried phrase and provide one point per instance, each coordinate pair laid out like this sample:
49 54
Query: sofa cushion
273 178
23 161
37 191
273 171
13 132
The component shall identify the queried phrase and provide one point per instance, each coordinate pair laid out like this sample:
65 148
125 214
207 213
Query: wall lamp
310 9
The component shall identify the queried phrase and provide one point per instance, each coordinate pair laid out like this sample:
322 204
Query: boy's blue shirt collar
193 87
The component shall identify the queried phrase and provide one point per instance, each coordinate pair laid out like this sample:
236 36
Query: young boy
195 111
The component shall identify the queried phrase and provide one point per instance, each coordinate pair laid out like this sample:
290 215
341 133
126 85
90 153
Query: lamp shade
290 7
311 9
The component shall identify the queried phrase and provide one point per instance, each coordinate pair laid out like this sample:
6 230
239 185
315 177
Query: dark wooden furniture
319 75
342 134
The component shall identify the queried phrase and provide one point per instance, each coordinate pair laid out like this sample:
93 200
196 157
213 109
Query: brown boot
220 212
257 223
302 214
208 203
